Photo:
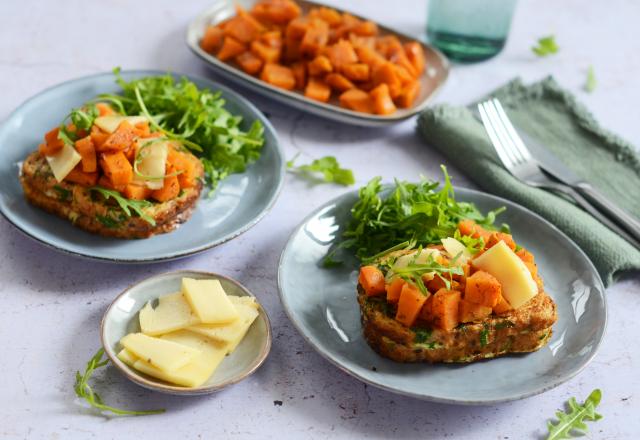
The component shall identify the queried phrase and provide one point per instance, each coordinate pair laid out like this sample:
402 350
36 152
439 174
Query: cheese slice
111 123
63 162
518 286
163 354
456 249
415 257
209 301
232 333
152 162
197 371
127 357
246 300
172 313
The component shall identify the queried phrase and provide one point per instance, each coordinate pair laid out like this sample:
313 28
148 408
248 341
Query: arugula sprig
573 421
127 205
422 213
84 391
327 166
196 117
82 119
546 46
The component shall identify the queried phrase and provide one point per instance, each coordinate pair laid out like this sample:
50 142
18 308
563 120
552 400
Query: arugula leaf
546 46
591 83
127 205
84 391
484 335
573 421
420 213
196 117
328 166
82 119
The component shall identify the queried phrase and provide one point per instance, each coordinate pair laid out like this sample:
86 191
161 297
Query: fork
517 159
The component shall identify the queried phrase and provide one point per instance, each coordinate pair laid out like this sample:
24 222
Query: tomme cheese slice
209 301
127 357
152 162
172 313
163 354
518 286
456 249
111 123
233 333
63 162
246 300
196 372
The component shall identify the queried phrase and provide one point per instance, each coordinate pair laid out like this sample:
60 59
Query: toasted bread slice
523 330
79 205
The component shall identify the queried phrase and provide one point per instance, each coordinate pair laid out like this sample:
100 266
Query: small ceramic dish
121 318
431 81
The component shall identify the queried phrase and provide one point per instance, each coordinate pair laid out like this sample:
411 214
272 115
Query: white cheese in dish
112 122
163 354
172 313
209 301
232 333
63 162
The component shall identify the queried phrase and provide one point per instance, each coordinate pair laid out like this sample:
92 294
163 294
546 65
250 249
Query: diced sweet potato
119 140
78 176
369 56
502 306
533 268
356 71
170 189
320 65
272 39
105 182
403 75
318 90
279 76
471 229
276 11
469 312
339 82
137 192
212 39
358 100
483 288
382 102
265 53
365 29
394 288
415 54
437 283
331 16
372 280
300 74
142 129
387 44
297 28
87 151
243 27
410 304
408 95
342 54
117 168
497 237
187 167
399 58
104 109
231 48
249 62
426 313
51 143
445 309
98 137
315 38
525 255
386 74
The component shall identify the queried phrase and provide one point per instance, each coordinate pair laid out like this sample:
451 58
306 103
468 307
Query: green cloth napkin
552 116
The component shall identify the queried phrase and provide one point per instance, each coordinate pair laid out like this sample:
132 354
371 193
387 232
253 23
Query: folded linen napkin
553 117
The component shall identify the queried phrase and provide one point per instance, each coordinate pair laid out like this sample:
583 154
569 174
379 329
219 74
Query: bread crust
79 205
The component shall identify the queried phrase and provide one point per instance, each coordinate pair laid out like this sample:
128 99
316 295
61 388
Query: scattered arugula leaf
196 117
107 221
418 213
81 118
546 46
327 166
127 205
591 82
84 391
422 335
63 193
484 335
573 422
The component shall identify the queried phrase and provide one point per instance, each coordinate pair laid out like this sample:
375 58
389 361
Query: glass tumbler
469 30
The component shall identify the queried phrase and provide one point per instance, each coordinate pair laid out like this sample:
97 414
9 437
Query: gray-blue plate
322 305
240 201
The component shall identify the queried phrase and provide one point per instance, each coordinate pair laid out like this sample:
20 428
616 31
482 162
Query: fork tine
505 140
493 136
517 140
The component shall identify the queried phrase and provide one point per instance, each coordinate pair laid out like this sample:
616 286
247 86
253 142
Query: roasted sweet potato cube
88 153
385 45
525 255
297 28
170 189
386 74
365 29
472 229
320 65
243 27
358 100
469 312
497 237
382 102
249 62
231 48
409 305
265 53
299 69
119 140
339 82
78 176
502 306
276 11
368 55
318 90
415 54
445 309
483 288
315 38
341 54
393 289
212 39
117 168
137 192
408 95
356 71
279 76
372 280
426 313
330 15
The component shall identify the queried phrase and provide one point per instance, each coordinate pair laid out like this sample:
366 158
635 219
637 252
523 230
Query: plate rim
174 255
174 389
467 402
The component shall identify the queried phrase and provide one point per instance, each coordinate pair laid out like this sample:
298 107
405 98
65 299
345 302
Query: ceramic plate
322 305
431 81
121 318
240 201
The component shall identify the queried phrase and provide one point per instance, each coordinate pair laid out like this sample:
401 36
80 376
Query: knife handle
614 212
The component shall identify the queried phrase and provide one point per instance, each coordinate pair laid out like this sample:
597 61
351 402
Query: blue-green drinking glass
469 30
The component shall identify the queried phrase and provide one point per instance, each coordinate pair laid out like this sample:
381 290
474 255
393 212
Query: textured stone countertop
52 303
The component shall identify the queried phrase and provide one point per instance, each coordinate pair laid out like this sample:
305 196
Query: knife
555 169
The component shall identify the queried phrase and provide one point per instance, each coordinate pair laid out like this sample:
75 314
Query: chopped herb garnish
81 119
572 423
127 205
484 335
328 167
546 46
63 193
504 324
84 391
591 82
422 335
108 221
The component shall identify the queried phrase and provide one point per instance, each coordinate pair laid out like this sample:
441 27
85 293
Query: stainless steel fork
517 159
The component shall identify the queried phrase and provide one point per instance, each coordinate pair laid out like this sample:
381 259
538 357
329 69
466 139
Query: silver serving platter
434 76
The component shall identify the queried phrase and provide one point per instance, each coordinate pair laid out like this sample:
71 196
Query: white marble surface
52 303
